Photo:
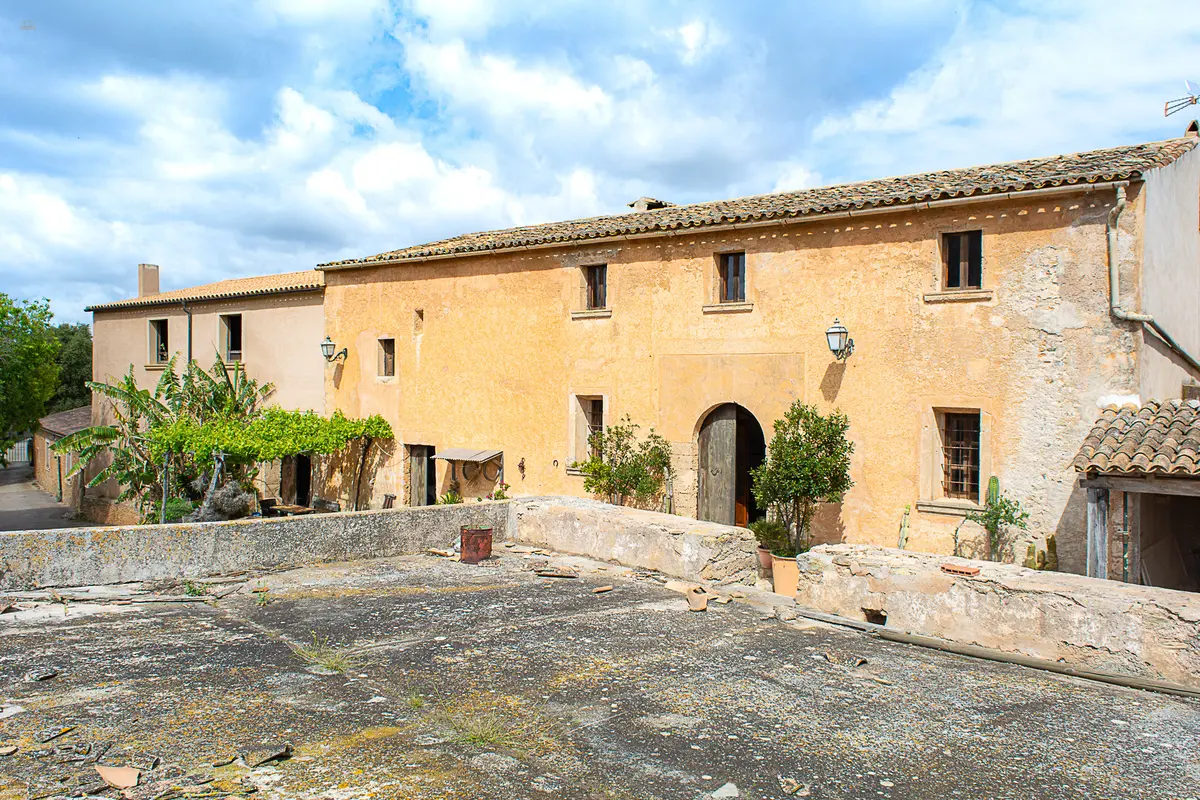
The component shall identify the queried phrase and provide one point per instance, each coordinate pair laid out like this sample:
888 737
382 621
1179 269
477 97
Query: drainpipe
183 304
1114 286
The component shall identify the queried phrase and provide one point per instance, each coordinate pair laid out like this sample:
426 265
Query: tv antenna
1193 96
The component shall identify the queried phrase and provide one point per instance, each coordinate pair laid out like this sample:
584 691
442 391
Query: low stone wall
83 556
1086 622
678 546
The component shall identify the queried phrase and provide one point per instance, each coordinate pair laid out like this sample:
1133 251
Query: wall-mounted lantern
840 343
327 348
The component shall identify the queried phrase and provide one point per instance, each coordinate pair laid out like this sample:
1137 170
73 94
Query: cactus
1031 557
904 529
993 493
1051 553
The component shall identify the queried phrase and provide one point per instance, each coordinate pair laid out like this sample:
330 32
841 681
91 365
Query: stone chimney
147 279
649 204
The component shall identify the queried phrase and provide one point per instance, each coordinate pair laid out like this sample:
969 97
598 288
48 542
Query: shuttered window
387 358
962 260
732 274
595 287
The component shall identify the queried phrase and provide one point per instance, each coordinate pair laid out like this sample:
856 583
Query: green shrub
622 468
773 535
177 508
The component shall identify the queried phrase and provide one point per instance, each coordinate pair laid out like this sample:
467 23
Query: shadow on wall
346 476
831 384
1070 534
828 527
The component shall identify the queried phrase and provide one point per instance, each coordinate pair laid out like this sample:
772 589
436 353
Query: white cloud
696 40
793 177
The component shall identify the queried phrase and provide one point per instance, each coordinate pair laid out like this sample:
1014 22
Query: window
589 419
962 260
160 348
387 358
231 336
960 454
731 269
595 287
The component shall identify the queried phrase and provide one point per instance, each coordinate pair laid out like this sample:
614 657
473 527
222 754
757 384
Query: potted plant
772 536
808 462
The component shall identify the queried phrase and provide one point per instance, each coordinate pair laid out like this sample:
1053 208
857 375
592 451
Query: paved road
25 507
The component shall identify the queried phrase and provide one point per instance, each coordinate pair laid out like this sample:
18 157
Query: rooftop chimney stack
147 279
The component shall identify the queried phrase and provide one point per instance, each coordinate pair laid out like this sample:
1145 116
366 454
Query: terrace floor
488 681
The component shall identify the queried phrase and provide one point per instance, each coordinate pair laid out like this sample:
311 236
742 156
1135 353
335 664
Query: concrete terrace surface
489 681
25 507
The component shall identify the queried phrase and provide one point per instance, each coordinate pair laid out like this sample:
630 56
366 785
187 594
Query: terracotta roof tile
221 290
65 423
1117 163
1160 438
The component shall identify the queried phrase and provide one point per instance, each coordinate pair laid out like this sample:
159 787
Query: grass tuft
484 729
323 654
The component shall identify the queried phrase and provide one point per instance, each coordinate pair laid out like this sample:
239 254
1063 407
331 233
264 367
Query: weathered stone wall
82 556
675 545
1096 624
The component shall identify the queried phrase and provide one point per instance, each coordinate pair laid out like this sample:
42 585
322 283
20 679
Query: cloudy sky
224 138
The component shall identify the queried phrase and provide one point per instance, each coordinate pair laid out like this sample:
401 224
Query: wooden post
1097 533
1135 537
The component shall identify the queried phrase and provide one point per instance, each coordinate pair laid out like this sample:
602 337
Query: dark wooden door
418 478
718 455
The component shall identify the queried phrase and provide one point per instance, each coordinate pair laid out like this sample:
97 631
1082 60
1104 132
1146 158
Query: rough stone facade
1096 624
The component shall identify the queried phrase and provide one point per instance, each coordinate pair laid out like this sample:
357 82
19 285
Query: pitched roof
1117 163
1156 438
282 283
65 423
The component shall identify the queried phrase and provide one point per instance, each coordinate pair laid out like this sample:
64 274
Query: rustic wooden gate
718 474
418 460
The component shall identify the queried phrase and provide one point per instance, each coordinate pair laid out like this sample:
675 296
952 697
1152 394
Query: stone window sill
157 367
954 508
592 313
960 296
574 471
728 308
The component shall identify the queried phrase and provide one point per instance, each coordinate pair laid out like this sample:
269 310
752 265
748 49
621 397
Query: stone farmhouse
995 313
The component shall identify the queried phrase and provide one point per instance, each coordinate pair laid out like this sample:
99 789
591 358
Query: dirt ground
466 681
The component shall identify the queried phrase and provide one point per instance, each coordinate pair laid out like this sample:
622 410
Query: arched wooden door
731 443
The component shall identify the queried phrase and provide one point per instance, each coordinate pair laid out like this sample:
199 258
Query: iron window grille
960 449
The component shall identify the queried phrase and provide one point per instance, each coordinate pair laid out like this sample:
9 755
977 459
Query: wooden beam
1097 533
1188 487
1135 538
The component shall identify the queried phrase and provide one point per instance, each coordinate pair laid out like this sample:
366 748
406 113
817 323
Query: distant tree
808 462
28 370
74 367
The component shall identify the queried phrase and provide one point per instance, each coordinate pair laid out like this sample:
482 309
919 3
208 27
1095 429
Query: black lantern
327 348
840 343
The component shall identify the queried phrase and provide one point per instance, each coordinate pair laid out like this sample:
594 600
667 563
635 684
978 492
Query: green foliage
177 509
74 368
808 461
773 535
621 467
189 419
1001 514
28 370
452 497
499 493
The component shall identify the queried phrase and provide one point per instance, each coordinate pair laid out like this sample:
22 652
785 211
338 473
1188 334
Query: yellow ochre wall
498 356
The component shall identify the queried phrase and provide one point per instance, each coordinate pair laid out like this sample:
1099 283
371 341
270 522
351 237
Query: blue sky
222 138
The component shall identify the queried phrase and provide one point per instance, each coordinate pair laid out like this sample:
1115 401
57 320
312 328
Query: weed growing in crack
192 589
325 655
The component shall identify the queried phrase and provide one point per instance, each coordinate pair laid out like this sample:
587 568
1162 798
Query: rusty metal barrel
476 544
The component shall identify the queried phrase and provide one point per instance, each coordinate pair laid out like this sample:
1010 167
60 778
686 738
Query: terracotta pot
785 575
476 544
764 561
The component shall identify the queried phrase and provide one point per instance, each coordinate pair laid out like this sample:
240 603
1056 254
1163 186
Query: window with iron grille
387 358
732 273
962 259
595 286
960 450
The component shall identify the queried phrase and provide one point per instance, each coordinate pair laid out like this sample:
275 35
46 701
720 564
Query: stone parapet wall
83 556
1095 624
679 546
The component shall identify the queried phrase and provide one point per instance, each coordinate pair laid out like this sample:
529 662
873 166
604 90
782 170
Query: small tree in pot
808 462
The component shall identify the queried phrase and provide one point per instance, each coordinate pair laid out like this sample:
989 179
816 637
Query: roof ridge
248 286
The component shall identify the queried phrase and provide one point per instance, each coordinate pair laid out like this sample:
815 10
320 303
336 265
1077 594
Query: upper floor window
595 287
731 274
231 337
962 260
387 358
160 348
960 455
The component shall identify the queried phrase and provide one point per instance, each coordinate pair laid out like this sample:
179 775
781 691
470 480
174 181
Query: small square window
595 287
960 455
731 269
160 348
387 358
231 337
962 260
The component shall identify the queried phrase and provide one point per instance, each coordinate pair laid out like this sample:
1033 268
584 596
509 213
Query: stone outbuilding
50 469
1140 466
